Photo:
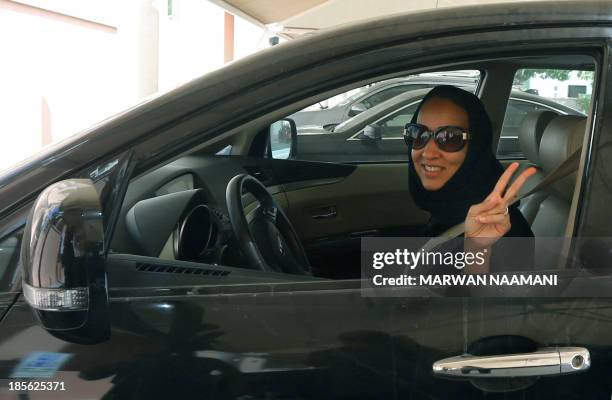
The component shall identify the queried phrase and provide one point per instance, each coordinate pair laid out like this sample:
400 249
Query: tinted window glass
509 140
9 255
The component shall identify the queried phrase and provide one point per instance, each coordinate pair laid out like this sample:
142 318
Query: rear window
558 90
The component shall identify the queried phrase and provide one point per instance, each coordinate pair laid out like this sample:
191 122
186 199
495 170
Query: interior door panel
372 197
332 218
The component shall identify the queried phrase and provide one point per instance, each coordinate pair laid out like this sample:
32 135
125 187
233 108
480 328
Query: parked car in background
377 133
368 96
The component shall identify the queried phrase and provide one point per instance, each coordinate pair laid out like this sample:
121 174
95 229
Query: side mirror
282 140
371 133
357 108
62 254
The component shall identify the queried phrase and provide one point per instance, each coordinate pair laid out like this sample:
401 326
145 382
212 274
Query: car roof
425 78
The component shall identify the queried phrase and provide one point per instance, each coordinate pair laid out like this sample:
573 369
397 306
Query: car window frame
352 282
589 134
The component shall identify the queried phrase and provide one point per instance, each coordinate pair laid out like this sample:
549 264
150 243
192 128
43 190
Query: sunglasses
448 138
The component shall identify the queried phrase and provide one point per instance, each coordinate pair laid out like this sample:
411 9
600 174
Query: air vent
171 269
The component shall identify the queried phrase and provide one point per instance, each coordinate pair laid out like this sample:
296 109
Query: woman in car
454 174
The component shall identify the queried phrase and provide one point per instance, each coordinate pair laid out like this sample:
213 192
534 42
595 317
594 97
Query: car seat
530 135
561 138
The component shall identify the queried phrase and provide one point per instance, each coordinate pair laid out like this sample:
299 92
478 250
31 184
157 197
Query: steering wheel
265 235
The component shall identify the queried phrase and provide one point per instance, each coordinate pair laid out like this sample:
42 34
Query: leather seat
530 135
562 136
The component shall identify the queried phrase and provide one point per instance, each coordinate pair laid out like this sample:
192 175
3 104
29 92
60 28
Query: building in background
67 64
70 64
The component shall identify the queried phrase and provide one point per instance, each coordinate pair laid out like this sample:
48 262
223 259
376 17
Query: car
135 262
368 96
352 139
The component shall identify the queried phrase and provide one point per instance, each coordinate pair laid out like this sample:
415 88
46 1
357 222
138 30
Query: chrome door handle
547 361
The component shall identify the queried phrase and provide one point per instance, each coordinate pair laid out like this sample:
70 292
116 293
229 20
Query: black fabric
473 181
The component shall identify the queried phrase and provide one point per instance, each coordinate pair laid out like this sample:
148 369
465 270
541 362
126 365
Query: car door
278 337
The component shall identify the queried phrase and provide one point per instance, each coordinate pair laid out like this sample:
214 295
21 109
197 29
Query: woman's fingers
503 180
517 185
495 203
492 201
493 219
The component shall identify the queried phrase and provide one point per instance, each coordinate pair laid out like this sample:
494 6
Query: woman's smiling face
434 166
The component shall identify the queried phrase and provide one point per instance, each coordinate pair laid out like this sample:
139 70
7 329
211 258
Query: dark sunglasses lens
421 140
416 135
450 139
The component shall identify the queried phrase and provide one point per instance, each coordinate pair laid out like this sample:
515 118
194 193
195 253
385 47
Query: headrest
530 133
561 138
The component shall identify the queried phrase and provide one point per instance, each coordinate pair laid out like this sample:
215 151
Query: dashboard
179 225
197 235
178 212
178 184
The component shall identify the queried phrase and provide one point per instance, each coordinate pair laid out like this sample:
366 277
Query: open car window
378 110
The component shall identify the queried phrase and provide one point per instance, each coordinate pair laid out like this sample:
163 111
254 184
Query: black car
136 263
354 139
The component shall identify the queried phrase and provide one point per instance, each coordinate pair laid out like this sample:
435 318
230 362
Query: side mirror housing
282 140
62 254
357 108
371 133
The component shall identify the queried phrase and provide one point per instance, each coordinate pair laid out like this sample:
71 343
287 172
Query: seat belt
569 165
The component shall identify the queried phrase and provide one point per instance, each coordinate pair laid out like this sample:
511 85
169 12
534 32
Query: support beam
228 38
238 12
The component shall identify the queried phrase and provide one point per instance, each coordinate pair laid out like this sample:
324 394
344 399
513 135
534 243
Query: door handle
324 212
546 361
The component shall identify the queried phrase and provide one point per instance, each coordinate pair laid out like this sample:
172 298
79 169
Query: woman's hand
486 222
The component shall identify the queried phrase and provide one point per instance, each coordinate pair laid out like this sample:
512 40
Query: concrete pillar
148 49
139 31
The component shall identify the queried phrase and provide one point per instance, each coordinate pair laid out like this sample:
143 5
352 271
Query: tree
586 75
584 101
523 75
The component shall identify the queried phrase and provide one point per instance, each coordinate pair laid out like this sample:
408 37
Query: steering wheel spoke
269 213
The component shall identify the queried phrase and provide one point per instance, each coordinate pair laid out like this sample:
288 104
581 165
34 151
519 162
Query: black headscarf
474 179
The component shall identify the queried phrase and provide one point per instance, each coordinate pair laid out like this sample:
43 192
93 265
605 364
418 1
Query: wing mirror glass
62 254
283 139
